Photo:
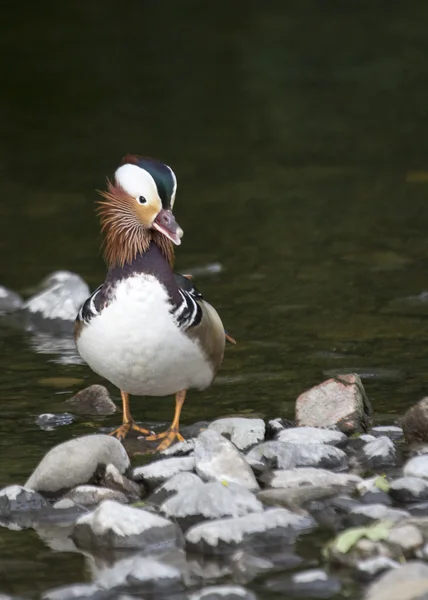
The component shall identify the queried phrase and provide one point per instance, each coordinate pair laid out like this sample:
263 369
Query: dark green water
298 134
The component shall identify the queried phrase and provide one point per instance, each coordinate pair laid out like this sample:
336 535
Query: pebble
75 462
338 402
301 435
159 471
93 400
217 459
114 525
244 433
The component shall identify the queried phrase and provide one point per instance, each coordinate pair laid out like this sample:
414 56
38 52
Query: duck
147 329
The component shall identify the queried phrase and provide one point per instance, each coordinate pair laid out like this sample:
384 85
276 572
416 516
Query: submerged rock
212 500
415 422
60 296
367 513
116 526
75 462
217 459
50 421
340 402
9 301
274 528
314 583
223 592
93 400
243 432
302 435
159 471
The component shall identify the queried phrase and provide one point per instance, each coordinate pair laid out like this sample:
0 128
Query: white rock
138 570
223 592
292 478
243 432
417 467
314 435
408 582
159 471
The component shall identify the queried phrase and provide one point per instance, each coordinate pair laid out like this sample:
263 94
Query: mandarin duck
147 329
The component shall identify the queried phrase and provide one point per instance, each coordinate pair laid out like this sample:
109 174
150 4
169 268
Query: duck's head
137 208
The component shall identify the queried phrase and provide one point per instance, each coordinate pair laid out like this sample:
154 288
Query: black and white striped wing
90 308
188 312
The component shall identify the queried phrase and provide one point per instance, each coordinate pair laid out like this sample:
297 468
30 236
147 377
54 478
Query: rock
244 433
212 500
113 479
75 462
283 455
314 583
16 498
80 591
301 435
93 400
371 567
367 513
417 467
89 495
116 526
415 422
9 301
177 483
276 527
274 426
60 296
380 452
300 495
159 471
408 582
223 592
376 497
217 459
246 566
409 489
407 537
308 476
50 421
143 576
391 431
340 402
372 484
185 448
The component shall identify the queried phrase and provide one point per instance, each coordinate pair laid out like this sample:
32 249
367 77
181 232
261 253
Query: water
298 136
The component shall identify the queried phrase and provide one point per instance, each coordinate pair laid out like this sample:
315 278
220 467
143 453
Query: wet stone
376 497
409 489
75 462
415 422
417 467
418 509
223 592
185 448
392 431
79 591
243 433
338 402
314 583
217 459
380 452
60 296
366 514
90 495
407 537
274 528
372 567
16 498
178 483
407 582
274 426
301 435
247 566
93 400
212 500
116 526
113 479
300 495
50 421
9 301
159 471
283 455
309 476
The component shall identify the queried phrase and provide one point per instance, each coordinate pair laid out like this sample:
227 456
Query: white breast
135 343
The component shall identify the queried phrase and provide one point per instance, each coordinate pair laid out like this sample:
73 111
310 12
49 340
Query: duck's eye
141 200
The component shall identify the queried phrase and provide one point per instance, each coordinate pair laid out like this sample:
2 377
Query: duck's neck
121 251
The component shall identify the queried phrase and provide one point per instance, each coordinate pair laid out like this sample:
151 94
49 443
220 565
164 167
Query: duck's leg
172 433
128 422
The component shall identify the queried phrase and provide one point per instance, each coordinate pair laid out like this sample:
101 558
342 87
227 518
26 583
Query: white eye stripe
174 189
136 181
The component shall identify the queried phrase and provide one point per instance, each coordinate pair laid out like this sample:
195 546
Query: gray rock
314 583
9 301
407 537
217 459
75 462
212 500
93 400
409 489
276 527
90 495
376 497
301 435
417 467
80 591
415 422
50 421
159 471
340 402
309 476
247 566
223 592
177 483
185 448
367 513
381 452
371 567
116 526
296 497
371 484
60 296
143 575
408 582
244 433
113 479
283 455
16 498
391 431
